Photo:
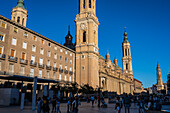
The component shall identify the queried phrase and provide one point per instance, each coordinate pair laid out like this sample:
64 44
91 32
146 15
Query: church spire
115 61
125 37
20 4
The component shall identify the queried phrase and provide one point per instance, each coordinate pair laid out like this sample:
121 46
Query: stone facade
27 53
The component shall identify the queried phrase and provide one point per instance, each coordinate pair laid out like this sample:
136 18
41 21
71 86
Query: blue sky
147 22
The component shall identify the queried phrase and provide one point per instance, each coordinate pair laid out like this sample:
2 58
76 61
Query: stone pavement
84 108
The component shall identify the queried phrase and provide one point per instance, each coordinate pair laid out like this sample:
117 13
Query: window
89 3
23 57
61 50
66 59
1 49
127 66
22 70
55 47
70 78
14 41
70 69
48 63
83 56
59 76
41 61
55 56
11 68
12 53
60 67
48 74
49 44
15 29
84 36
54 75
32 72
3 24
42 41
23 21
2 36
126 52
60 57
33 48
33 58
65 78
70 61
84 4
18 19
65 67
34 38
24 45
66 52
95 49
26 34
83 67
55 64
42 51
49 53
40 74
70 54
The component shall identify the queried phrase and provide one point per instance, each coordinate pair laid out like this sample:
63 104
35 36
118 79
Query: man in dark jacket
127 103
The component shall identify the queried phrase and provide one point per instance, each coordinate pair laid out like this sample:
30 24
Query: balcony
22 61
55 69
66 71
48 67
2 56
41 66
71 73
60 70
12 59
32 63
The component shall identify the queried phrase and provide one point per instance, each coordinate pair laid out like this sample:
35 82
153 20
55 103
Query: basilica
26 54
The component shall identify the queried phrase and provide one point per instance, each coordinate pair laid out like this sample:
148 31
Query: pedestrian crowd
43 105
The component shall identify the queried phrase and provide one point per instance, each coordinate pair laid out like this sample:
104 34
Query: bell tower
19 13
87 44
160 85
127 60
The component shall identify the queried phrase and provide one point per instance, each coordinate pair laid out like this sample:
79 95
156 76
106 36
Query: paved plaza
84 108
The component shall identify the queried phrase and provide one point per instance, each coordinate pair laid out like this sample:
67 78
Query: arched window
89 3
84 36
126 52
84 4
127 66
23 21
18 19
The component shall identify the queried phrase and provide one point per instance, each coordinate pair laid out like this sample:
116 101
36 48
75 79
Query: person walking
98 98
141 105
127 103
58 106
39 105
54 104
92 99
68 106
75 105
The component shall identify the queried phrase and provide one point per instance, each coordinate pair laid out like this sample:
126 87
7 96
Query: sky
147 22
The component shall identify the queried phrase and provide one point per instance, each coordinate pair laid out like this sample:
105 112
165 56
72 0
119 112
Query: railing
48 67
66 71
12 59
41 66
55 69
60 70
32 63
2 56
22 61
70 72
